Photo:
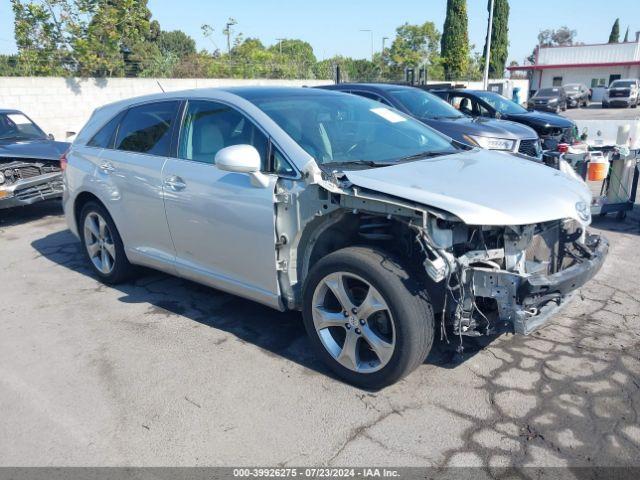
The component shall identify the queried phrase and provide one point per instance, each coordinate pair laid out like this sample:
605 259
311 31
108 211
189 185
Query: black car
552 129
29 161
578 95
431 110
552 99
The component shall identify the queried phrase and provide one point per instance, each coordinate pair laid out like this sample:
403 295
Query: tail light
63 161
563 147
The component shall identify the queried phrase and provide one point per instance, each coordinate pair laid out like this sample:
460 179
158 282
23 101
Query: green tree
626 35
499 38
40 41
455 40
414 44
562 36
176 42
614 36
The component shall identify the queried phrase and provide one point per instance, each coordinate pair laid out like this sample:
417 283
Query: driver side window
465 105
208 127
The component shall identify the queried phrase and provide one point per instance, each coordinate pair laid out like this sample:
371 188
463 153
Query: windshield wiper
366 163
429 154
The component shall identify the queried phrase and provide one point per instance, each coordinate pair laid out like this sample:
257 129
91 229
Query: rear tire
103 246
370 347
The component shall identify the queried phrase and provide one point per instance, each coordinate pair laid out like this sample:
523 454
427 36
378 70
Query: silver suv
378 228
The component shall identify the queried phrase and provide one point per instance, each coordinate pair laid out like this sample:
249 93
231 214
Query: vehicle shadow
630 225
19 215
276 333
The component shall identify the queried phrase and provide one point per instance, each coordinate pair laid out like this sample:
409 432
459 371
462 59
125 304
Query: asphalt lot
595 112
165 372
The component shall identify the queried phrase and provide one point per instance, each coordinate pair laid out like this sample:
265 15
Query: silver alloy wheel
99 243
354 322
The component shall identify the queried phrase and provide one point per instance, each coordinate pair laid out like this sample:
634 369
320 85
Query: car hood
456 128
541 119
482 187
41 149
546 98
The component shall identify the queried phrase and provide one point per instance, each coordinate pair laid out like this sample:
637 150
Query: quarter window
209 127
104 137
147 128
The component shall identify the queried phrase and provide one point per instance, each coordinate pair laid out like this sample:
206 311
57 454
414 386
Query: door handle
175 183
107 167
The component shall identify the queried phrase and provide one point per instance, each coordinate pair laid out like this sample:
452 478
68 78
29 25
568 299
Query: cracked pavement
162 371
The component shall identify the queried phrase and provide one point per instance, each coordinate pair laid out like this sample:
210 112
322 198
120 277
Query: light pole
485 78
280 44
371 33
227 32
384 39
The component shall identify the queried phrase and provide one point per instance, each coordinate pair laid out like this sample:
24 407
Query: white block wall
61 105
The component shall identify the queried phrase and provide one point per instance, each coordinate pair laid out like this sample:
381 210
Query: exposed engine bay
481 280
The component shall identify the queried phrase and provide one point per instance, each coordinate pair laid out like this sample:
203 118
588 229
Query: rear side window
147 128
104 137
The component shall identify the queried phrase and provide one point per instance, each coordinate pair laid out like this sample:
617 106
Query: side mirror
50 136
242 159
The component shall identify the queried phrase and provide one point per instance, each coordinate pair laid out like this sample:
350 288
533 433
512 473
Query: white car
378 228
622 93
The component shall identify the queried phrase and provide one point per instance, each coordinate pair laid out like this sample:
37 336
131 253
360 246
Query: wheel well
363 229
81 200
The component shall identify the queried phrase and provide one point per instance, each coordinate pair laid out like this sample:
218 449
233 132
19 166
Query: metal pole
485 80
371 32
384 39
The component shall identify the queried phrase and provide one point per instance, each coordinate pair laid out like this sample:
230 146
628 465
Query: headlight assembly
492 143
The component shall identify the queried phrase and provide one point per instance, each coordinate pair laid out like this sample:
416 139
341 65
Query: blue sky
332 27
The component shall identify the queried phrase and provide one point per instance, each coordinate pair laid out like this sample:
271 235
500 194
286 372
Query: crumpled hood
42 149
482 187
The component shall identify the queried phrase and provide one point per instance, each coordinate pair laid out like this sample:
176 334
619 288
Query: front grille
43 191
529 147
28 172
619 93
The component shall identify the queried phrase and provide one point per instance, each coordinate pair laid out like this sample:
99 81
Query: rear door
133 171
222 226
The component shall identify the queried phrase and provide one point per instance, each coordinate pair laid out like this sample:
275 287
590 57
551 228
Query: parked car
360 216
552 129
578 95
431 110
622 93
552 99
29 161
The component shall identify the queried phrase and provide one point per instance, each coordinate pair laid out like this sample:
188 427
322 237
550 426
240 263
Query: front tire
367 318
102 245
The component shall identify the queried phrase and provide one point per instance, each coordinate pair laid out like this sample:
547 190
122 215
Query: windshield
548 92
350 130
424 105
571 88
622 84
16 126
500 103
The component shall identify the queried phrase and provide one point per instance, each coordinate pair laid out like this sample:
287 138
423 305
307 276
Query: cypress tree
499 38
626 35
455 40
614 37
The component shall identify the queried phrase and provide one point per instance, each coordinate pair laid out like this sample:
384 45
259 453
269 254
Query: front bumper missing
31 190
528 301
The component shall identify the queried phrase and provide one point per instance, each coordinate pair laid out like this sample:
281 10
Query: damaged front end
24 181
509 278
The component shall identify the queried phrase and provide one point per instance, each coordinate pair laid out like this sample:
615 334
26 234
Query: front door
222 226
